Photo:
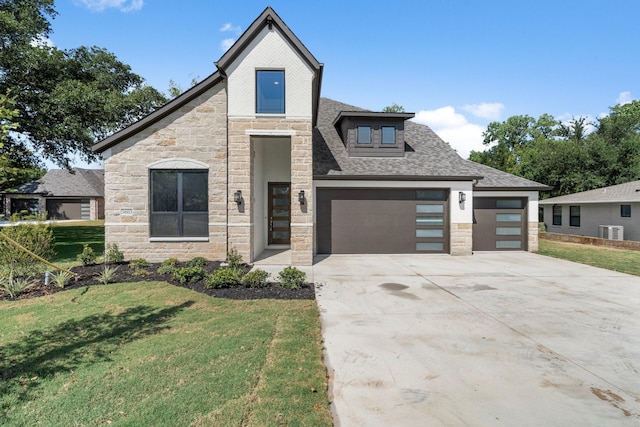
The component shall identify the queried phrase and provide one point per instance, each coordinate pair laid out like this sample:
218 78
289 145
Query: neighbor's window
179 203
625 211
364 135
388 134
557 215
574 216
270 92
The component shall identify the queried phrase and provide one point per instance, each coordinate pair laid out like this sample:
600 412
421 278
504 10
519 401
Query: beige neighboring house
61 194
610 212
253 158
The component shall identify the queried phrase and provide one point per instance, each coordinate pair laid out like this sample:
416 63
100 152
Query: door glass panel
429 220
508 217
430 232
280 213
278 235
509 204
280 191
508 244
281 202
436 246
509 231
280 224
429 208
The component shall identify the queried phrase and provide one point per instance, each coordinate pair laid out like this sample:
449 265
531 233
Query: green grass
69 238
139 354
624 261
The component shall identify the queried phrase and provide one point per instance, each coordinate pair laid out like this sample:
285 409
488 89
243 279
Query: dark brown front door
279 213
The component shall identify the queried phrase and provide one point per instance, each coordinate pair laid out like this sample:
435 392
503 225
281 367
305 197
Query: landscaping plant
139 266
87 256
189 274
112 254
36 237
168 266
107 275
61 278
225 277
255 279
234 259
197 262
13 285
292 278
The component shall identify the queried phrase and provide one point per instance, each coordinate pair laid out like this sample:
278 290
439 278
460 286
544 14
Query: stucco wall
592 215
269 50
192 137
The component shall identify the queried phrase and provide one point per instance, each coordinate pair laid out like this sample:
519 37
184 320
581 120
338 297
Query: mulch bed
87 276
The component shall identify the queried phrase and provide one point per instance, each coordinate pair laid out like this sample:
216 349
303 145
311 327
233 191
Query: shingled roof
620 193
427 157
62 183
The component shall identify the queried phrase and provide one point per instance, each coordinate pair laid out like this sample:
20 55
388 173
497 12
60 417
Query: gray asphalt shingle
62 183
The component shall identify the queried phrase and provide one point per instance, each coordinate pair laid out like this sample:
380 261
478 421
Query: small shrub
168 266
138 264
61 278
87 256
225 277
234 259
14 286
292 278
107 275
112 254
189 274
256 279
36 237
197 262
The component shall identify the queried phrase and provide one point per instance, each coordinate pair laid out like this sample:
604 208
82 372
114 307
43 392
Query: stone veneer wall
461 242
533 237
195 132
241 221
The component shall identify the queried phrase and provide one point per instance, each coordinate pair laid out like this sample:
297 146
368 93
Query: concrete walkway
512 339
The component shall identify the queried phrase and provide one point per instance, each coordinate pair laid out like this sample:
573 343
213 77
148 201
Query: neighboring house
60 194
253 158
609 212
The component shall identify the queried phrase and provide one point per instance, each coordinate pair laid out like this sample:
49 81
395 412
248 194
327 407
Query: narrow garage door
499 224
382 221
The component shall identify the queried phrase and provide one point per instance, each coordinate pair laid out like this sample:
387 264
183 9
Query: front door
279 213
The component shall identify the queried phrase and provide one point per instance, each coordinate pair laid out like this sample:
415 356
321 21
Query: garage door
382 221
68 209
499 224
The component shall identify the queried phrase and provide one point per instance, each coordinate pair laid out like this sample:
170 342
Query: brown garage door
499 224
68 209
382 221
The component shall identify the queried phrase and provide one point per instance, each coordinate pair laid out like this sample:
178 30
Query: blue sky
458 64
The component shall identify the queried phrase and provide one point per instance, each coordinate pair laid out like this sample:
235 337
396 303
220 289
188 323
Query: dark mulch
87 276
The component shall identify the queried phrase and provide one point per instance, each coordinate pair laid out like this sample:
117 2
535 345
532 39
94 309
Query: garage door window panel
509 231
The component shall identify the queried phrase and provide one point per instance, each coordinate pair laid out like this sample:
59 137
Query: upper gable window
364 135
388 134
270 92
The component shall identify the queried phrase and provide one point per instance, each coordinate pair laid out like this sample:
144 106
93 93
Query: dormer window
364 134
388 135
270 92
372 134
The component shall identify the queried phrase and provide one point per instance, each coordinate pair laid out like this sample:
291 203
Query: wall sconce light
237 197
301 197
461 197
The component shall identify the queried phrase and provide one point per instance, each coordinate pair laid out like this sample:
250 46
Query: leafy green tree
393 108
67 99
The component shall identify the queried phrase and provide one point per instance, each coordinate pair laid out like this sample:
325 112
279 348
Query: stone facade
533 237
461 239
195 134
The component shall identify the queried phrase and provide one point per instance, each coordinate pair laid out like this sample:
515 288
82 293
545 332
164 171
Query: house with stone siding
253 158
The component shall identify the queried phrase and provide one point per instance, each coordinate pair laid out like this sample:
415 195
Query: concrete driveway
513 339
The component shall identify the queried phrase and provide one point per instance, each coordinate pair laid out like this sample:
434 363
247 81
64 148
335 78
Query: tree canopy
566 155
66 100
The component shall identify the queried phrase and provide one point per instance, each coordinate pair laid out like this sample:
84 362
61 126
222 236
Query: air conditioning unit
612 232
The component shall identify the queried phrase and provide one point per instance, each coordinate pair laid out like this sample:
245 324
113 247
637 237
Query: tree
393 108
67 100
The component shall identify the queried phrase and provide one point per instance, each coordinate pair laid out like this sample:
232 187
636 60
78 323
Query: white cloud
226 44
485 110
454 128
624 98
228 27
121 5
42 41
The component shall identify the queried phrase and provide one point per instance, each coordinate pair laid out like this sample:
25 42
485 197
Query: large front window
179 203
270 92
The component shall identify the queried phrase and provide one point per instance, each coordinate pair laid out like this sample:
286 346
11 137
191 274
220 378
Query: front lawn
624 261
150 353
70 237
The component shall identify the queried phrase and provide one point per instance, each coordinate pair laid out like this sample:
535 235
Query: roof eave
394 178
